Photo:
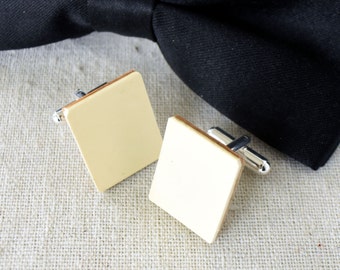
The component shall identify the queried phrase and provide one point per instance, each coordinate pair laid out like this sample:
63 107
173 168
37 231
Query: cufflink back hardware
115 129
197 174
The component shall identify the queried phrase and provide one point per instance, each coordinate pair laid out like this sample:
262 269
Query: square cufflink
115 129
197 174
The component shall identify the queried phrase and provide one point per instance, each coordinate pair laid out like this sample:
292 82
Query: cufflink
115 129
197 174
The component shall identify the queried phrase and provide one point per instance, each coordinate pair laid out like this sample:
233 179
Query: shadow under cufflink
115 129
197 174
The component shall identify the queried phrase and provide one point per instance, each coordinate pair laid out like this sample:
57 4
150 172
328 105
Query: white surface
195 179
52 216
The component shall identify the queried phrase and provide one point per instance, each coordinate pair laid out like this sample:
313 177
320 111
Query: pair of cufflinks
197 172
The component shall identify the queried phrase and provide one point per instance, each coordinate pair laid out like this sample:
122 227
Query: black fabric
32 23
271 66
127 17
284 91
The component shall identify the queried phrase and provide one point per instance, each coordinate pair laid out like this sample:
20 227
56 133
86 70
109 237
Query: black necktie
270 66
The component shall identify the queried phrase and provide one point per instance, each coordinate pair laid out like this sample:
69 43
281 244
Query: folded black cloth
270 66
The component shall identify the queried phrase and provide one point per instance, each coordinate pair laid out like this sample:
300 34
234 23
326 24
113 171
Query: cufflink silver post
58 115
254 161
79 93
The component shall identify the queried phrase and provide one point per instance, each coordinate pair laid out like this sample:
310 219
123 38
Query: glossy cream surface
195 178
116 130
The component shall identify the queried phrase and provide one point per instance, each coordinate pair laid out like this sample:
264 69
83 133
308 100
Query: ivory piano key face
115 129
195 178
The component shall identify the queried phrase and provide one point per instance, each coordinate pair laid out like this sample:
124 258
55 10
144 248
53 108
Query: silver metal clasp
58 115
254 160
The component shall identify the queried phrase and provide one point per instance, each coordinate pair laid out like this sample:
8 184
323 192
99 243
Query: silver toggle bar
253 160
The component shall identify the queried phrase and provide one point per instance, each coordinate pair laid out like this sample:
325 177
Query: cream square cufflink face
196 176
115 129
